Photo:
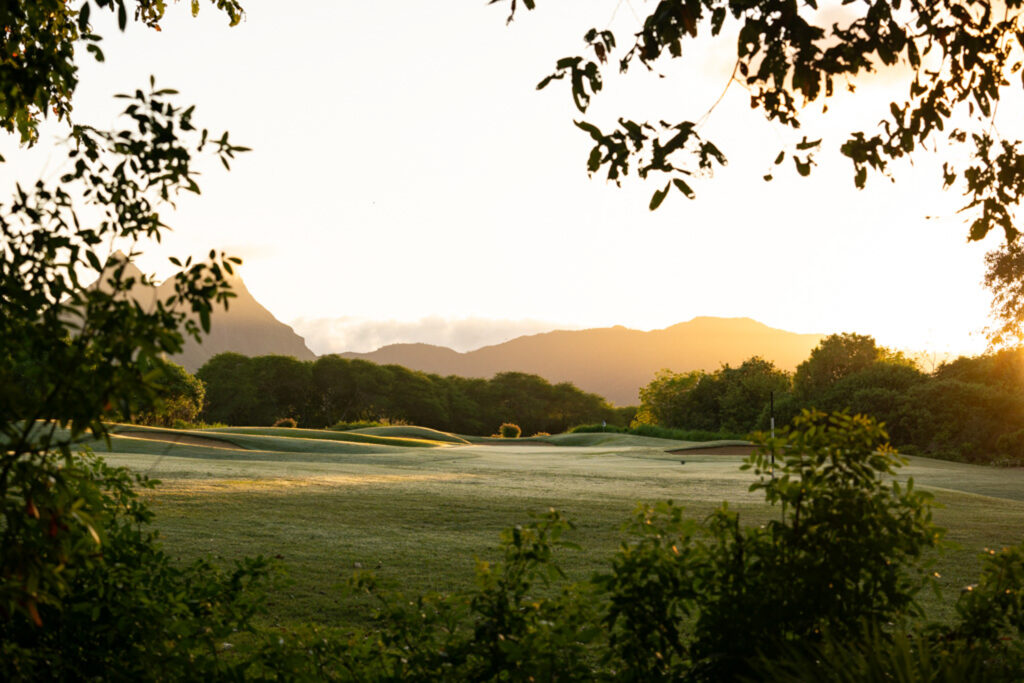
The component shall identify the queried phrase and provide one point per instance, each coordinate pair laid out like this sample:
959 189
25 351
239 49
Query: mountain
613 361
246 327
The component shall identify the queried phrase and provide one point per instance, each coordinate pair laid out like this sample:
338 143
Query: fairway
417 508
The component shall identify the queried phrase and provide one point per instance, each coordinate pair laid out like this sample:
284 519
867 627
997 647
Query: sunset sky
408 183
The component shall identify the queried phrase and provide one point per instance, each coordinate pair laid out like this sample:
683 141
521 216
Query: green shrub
509 430
348 426
288 422
131 612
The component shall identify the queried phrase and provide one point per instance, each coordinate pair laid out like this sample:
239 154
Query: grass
419 516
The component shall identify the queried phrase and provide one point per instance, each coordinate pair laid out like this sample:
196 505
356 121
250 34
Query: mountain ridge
614 362
611 361
245 326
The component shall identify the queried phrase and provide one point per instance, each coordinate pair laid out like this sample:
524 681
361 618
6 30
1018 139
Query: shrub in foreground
131 612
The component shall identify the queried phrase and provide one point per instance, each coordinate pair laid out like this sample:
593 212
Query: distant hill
246 327
613 361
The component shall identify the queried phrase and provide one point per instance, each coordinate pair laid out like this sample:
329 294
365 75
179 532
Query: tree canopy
956 61
38 69
332 389
74 356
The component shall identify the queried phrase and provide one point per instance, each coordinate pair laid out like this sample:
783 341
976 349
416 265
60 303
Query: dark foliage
332 390
969 409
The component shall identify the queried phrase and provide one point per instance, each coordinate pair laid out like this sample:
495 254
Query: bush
286 422
132 609
348 426
509 430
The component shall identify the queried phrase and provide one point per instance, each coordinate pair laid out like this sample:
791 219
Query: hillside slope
246 327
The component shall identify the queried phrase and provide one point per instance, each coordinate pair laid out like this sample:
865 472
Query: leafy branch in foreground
955 59
38 41
74 354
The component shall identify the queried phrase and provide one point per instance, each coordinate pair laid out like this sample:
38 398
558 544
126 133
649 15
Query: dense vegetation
826 588
87 592
259 391
969 409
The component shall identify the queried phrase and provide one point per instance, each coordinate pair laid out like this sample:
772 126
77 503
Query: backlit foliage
955 59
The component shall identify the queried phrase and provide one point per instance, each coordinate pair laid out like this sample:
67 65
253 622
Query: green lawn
419 516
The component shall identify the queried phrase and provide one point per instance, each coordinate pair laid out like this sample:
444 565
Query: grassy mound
328 435
612 439
410 432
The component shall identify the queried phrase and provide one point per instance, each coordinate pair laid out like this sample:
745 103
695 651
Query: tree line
971 408
262 390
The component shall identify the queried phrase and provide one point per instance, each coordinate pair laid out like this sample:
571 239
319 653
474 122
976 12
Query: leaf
34 613
659 196
122 15
83 17
684 188
779 159
96 52
594 131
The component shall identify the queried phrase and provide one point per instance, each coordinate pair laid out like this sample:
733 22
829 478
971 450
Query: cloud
337 335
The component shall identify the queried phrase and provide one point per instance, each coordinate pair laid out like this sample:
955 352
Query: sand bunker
185 439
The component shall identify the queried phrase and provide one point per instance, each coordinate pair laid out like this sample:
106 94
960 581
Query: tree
837 356
957 60
72 355
727 400
230 389
880 390
180 396
416 398
747 394
662 401
39 74
282 386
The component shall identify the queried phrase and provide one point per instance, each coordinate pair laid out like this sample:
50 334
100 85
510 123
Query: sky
409 183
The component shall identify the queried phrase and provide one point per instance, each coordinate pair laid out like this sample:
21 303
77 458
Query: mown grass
418 517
